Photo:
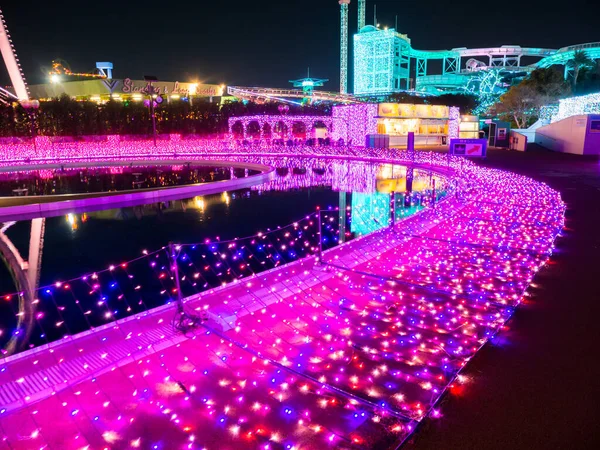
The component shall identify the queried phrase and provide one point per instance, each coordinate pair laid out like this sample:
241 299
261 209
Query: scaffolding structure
383 59
362 5
344 46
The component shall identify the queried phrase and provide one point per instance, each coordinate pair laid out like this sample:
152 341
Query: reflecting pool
359 198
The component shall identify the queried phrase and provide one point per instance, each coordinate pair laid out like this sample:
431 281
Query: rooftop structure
381 61
308 84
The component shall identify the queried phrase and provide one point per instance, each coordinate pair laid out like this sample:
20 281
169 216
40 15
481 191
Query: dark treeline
64 116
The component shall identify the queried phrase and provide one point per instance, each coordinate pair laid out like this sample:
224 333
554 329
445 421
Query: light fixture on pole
155 100
31 106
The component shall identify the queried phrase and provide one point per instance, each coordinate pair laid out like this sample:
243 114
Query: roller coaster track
462 52
279 94
7 97
565 54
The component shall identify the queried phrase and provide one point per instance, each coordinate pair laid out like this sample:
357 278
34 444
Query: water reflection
374 194
361 198
82 180
199 204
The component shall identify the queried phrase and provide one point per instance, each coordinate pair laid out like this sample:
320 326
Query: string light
350 347
573 106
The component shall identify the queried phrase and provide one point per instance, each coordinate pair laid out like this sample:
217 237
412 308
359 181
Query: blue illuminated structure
385 63
381 61
371 212
344 45
308 84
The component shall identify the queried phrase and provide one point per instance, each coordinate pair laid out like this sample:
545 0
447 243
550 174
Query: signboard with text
475 148
126 86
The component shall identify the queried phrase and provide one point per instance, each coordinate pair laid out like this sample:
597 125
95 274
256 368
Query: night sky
266 42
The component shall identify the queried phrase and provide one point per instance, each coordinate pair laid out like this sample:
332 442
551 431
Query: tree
548 82
521 103
589 79
465 102
580 60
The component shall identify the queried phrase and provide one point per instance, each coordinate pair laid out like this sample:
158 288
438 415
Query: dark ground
537 386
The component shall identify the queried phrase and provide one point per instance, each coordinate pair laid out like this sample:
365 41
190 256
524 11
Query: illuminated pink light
507 221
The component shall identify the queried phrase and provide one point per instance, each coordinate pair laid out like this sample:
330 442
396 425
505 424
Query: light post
191 92
184 321
31 106
152 91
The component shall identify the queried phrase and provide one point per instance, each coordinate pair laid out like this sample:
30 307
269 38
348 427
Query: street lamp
191 92
31 106
152 91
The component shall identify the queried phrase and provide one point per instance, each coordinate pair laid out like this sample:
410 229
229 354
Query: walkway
350 354
535 386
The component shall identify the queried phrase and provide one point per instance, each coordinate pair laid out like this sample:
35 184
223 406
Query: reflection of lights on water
200 203
225 197
385 171
72 221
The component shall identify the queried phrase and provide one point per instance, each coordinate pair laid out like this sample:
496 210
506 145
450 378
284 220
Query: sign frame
470 148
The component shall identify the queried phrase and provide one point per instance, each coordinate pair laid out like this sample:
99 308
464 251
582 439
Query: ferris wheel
12 63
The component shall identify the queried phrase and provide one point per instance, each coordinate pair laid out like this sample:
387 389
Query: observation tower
344 46
308 85
362 5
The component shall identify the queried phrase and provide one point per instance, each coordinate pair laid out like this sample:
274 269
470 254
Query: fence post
320 248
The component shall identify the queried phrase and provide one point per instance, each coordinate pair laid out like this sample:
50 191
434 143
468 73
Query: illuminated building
432 124
572 126
381 62
103 89
385 62
468 127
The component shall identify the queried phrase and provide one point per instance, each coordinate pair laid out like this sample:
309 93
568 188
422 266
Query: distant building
431 124
381 62
103 89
